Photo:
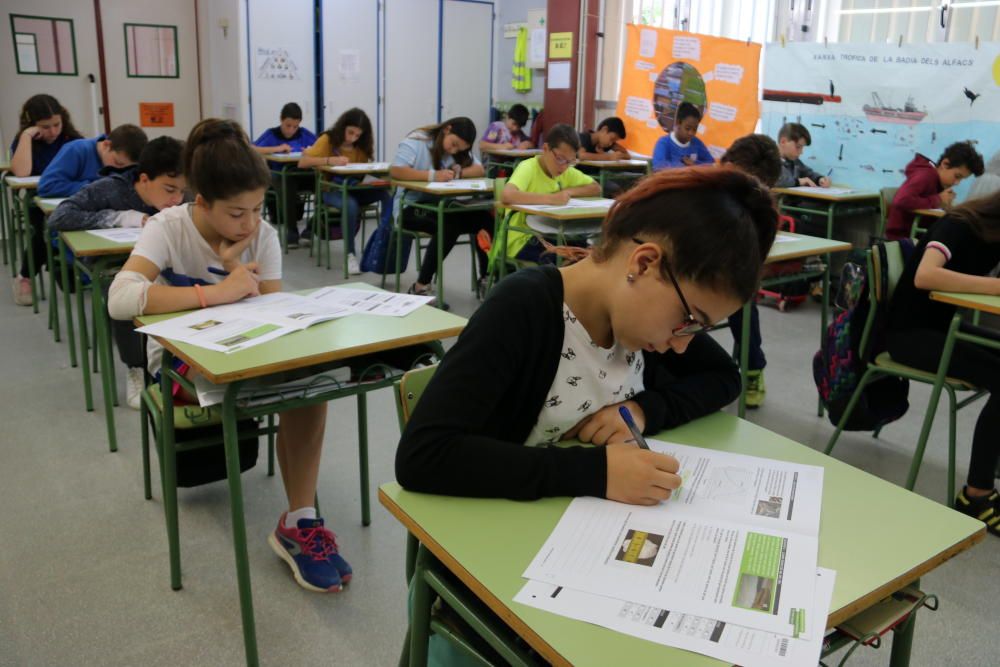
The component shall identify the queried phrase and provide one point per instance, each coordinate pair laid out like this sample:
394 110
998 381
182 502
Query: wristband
201 296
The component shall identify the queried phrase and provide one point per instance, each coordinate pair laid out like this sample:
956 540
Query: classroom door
467 61
350 59
410 80
282 68
150 55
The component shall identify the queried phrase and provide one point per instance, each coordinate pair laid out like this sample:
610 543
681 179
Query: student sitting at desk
553 353
758 155
509 132
288 137
792 140
45 127
128 199
438 153
215 251
78 163
956 255
930 185
348 140
682 147
602 143
549 178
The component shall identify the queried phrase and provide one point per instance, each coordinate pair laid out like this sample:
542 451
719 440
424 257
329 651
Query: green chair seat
883 360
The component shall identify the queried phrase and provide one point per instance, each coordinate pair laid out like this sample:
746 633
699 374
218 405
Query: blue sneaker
311 551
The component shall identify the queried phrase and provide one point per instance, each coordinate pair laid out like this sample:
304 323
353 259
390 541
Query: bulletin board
663 68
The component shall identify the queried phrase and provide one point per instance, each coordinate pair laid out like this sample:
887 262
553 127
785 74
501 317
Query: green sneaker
984 508
755 389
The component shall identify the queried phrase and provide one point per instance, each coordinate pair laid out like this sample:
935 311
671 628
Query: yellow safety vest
521 81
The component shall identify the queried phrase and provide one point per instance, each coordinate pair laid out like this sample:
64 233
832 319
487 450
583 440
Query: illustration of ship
879 112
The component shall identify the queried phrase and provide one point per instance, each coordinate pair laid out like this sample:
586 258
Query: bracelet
201 295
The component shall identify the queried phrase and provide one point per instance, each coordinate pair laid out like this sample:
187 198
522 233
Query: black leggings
921 348
455 224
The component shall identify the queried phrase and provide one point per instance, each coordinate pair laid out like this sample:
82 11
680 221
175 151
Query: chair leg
855 397
420 616
366 518
147 485
270 445
952 428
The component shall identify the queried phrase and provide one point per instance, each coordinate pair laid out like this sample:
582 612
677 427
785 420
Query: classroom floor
84 571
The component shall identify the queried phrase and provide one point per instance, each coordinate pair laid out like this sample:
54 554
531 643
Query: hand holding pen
637 475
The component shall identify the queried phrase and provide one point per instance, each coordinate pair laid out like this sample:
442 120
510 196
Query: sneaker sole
285 556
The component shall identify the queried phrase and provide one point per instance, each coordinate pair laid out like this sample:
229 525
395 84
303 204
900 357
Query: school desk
46 206
97 258
878 537
350 180
442 202
823 203
315 348
802 246
608 169
920 214
505 158
21 231
286 167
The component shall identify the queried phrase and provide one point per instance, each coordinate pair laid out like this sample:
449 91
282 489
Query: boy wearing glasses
549 178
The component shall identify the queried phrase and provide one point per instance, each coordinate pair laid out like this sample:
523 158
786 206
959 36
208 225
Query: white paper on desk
735 644
118 234
738 542
214 330
51 201
370 302
364 166
23 180
292 311
784 238
585 227
808 189
460 184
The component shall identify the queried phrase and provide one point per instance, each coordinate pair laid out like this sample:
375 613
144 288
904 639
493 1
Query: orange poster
156 114
663 68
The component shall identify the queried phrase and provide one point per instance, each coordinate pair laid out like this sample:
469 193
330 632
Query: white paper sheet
118 234
210 329
364 166
368 302
263 394
784 238
461 184
558 75
737 542
732 643
23 180
51 202
821 191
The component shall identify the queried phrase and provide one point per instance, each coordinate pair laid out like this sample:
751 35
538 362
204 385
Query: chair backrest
409 389
888 274
886 195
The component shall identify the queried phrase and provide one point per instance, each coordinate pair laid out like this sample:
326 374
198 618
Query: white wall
223 59
345 40
125 94
72 91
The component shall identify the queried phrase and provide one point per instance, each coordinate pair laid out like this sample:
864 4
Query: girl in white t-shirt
216 251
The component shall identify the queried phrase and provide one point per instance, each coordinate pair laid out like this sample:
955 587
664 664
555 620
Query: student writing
792 141
509 132
682 147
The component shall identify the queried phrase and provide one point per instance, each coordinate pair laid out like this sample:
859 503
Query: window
43 45
151 51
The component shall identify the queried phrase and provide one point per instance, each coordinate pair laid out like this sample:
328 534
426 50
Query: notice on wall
560 45
156 114
349 65
665 68
275 64
558 75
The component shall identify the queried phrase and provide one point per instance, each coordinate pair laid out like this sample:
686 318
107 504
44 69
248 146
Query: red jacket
921 189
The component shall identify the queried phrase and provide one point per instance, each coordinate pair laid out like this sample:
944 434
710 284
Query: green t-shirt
530 177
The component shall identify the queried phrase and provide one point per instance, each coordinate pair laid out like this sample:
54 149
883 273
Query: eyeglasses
690 326
563 162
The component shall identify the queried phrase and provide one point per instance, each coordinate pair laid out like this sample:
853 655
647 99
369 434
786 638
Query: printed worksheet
369 302
461 184
738 542
364 166
573 203
214 330
735 644
118 234
816 190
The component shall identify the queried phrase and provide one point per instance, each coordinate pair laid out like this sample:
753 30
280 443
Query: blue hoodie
74 166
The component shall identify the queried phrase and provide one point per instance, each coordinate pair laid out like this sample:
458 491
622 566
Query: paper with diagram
738 542
735 644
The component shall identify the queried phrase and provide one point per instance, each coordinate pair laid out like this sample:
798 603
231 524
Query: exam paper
460 184
368 302
821 191
118 234
364 166
214 330
573 203
737 542
732 643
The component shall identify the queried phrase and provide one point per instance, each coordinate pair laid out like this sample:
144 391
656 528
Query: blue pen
636 435
218 272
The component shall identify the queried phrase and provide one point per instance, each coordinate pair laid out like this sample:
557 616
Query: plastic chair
881 286
886 195
463 620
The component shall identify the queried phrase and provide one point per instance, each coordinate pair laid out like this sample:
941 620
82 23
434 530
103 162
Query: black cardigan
466 435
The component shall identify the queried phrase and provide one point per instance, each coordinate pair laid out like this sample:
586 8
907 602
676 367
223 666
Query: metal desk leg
168 469
345 227
108 384
232 445
440 253
744 358
902 639
420 616
88 394
67 302
27 236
